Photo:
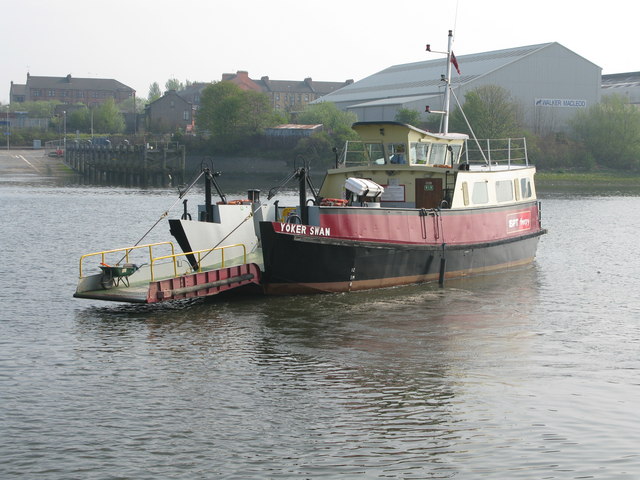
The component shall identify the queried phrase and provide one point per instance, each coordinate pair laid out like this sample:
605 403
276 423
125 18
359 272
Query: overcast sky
138 42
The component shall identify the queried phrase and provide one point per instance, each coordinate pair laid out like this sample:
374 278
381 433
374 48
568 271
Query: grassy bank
595 179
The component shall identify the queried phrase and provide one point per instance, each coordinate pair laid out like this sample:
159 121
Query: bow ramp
204 284
165 275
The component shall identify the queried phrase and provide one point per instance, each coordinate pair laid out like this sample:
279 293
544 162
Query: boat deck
132 294
199 284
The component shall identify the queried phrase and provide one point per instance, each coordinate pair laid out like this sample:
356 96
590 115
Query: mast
447 93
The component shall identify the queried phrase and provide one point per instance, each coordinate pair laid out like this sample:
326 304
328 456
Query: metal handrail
496 150
199 254
499 150
127 250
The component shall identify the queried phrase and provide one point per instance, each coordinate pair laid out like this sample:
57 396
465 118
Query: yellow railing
126 251
200 254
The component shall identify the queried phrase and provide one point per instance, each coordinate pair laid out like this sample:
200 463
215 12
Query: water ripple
527 374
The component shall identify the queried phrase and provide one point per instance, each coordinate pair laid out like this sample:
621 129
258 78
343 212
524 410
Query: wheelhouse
420 169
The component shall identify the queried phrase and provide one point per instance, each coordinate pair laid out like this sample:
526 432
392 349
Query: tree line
604 136
229 119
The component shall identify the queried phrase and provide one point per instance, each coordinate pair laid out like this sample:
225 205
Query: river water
528 374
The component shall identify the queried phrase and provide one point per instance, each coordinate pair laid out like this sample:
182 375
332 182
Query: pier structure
162 164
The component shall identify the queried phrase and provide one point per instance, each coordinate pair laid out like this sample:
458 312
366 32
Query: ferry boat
412 207
402 205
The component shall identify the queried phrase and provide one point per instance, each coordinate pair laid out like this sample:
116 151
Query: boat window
397 153
375 152
419 152
525 187
480 193
438 151
504 191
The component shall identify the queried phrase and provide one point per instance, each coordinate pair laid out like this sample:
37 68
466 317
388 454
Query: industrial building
626 85
550 83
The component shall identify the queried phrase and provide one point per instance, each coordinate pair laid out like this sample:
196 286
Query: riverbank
597 179
236 170
21 162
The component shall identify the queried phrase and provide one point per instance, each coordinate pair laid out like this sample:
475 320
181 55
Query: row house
285 95
70 90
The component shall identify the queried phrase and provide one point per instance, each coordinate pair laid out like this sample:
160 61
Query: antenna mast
447 84
447 93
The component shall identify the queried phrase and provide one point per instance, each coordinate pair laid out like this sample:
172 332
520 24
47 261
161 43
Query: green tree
328 115
406 115
154 92
38 109
259 113
128 105
610 131
107 118
336 126
491 113
220 111
174 84
230 114
79 119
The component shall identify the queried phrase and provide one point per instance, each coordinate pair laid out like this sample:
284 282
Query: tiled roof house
70 90
287 95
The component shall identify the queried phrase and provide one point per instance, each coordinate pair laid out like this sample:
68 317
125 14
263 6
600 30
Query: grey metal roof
392 101
424 78
621 80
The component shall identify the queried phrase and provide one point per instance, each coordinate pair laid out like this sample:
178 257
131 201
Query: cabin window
480 193
397 153
419 153
504 191
375 153
465 193
438 154
525 188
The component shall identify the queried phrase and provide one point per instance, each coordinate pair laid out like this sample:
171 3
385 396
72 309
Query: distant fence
130 165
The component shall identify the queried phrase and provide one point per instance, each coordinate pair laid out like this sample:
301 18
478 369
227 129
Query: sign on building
560 102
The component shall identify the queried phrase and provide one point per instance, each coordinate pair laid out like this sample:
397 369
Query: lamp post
64 115
8 132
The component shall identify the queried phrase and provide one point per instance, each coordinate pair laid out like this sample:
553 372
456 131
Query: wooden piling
131 165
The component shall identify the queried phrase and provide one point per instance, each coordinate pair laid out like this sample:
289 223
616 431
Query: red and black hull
296 262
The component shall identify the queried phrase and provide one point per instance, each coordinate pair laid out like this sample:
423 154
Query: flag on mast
454 61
